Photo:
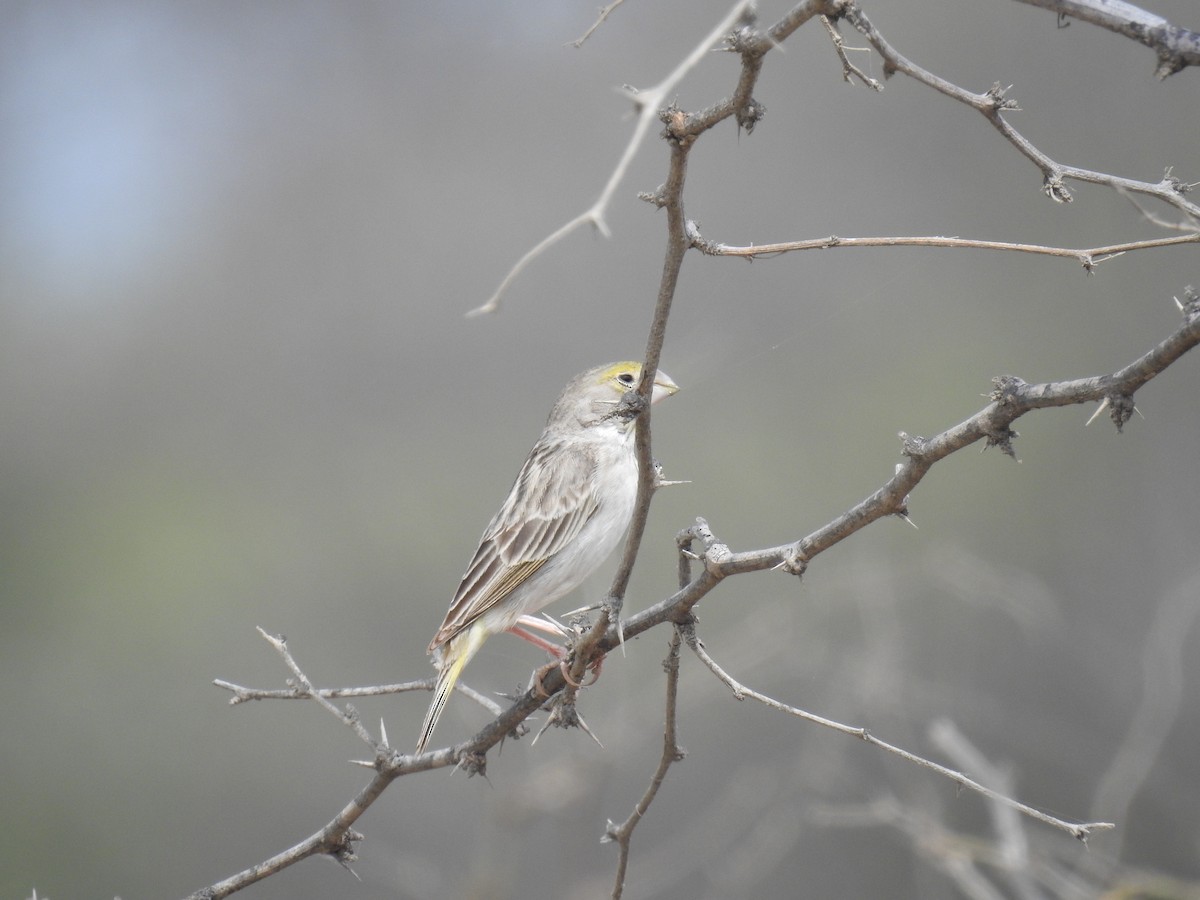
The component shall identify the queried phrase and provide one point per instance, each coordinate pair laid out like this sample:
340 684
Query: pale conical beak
663 386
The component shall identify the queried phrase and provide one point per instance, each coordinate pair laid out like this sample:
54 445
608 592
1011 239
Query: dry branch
1176 47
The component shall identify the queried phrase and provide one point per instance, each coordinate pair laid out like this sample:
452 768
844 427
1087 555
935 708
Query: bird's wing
551 500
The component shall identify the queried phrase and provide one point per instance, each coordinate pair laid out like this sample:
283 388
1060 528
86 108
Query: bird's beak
663 386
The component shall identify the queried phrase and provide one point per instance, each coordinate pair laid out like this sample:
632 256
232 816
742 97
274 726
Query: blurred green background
237 241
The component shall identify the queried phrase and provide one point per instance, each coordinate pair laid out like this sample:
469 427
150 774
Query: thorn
365 763
558 626
383 734
588 731
345 865
549 721
1099 409
659 481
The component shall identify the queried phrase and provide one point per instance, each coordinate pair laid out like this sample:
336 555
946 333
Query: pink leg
549 646
553 649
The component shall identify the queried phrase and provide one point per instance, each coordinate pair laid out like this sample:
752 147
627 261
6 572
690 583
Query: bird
566 512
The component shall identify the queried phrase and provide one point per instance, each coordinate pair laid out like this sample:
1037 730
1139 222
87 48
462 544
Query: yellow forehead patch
621 368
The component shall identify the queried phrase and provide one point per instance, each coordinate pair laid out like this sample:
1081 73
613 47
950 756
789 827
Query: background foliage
236 244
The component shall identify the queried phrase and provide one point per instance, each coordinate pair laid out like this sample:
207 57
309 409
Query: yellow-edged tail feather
455 656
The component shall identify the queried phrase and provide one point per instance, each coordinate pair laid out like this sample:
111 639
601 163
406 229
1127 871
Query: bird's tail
455 656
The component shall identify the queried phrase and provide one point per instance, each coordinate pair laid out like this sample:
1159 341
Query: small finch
566 512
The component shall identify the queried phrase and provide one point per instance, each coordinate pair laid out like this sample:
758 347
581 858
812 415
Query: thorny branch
1011 399
1177 48
671 753
647 103
992 104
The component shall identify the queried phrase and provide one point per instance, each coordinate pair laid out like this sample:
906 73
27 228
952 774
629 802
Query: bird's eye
625 378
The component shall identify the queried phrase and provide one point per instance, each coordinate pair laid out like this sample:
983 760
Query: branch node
1053 187
1005 389
995 95
716 555
794 562
849 70
565 715
341 847
744 38
1003 438
692 230
750 115
675 120
1175 184
1120 409
473 763
913 445
656 197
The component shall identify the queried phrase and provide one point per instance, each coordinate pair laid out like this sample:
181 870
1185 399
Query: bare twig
348 716
647 102
1089 258
671 753
849 70
604 14
1081 830
992 104
336 839
243 694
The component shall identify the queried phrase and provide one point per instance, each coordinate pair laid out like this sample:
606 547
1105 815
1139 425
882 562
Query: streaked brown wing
547 507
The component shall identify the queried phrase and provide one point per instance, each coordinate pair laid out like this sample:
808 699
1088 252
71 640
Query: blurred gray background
237 241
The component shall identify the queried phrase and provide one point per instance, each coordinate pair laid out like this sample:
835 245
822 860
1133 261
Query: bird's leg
555 650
